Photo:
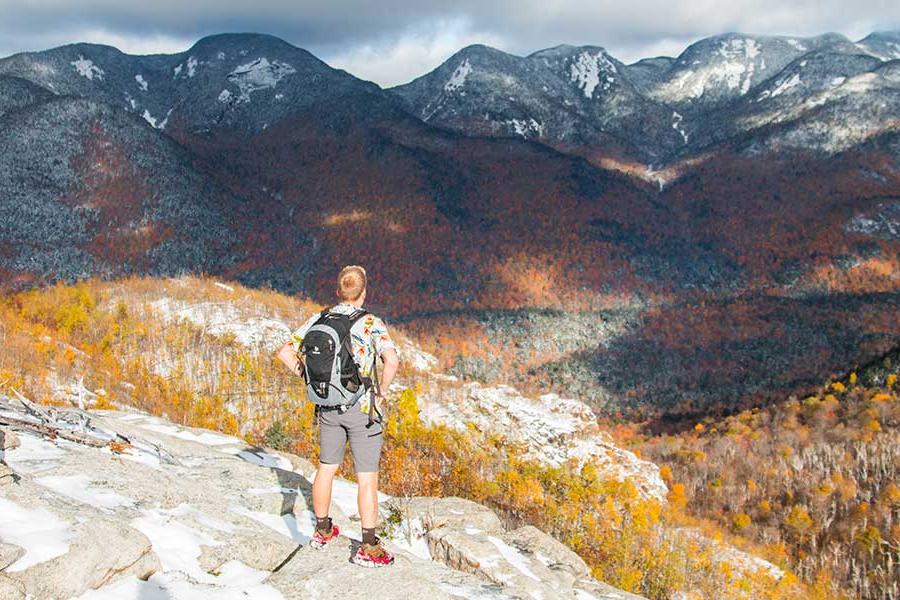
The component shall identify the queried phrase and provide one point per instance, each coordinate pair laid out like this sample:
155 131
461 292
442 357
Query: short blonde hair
351 283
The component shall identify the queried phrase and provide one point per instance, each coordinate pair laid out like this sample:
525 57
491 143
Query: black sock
323 524
369 536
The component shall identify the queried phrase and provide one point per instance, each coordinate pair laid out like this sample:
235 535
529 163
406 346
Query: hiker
335 352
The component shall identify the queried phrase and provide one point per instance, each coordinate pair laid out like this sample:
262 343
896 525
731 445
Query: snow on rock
81 489
470 537
733 68
786 85
213 524
589 70
257 75
298 527
191 66
177 545
225 96
142 83
206 438
87 68
410 354
38 531
412 536
153 121
526 128
458 78
513 557
236 581
882 222
676 125
552 429
221 318
34 455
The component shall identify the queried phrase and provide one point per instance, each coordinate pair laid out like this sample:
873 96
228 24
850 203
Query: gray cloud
391 41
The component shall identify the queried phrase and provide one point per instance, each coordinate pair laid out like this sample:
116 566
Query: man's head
351 284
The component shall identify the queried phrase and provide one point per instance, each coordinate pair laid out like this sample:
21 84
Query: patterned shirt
369 337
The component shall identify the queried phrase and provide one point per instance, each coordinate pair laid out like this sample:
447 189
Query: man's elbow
390 359
285 351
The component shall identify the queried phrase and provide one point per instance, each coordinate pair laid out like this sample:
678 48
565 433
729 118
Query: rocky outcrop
183 513
470 538
551 428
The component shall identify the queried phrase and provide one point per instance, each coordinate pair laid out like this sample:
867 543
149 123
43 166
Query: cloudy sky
393 41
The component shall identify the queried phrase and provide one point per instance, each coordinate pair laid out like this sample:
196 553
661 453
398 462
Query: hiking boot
320 538
373 555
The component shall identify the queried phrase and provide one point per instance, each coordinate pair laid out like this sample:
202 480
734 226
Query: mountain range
731 210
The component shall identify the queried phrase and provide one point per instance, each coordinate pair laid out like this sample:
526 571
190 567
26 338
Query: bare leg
321 489
368 498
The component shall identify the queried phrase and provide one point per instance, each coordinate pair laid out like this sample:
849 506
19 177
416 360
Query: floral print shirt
369 337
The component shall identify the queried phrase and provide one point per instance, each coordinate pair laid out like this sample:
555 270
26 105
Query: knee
367 481
325 473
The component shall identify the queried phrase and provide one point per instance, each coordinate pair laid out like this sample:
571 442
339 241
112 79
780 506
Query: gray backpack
332 376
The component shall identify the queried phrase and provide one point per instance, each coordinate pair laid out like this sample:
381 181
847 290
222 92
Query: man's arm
391 362
289 358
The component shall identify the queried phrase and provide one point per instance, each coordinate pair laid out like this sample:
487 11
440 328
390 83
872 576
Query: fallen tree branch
52 431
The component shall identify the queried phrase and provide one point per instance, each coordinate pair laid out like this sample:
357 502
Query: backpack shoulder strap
322 315
357 315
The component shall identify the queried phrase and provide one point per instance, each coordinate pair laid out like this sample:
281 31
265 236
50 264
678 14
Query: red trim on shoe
319 539
373 556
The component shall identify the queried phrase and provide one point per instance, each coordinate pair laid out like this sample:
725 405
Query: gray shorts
335 428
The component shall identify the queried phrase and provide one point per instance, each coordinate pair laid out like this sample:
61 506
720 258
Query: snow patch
225 96
236 581
175 544
838 81
81 489
191 66
87 68
258 75
142 83
220 55
676 125
300 530
459 76
797 44
39 532
526 128
224 318
513 557
733 70
552 429
411 537
153 122
34 455
588 69
785 85
206 438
